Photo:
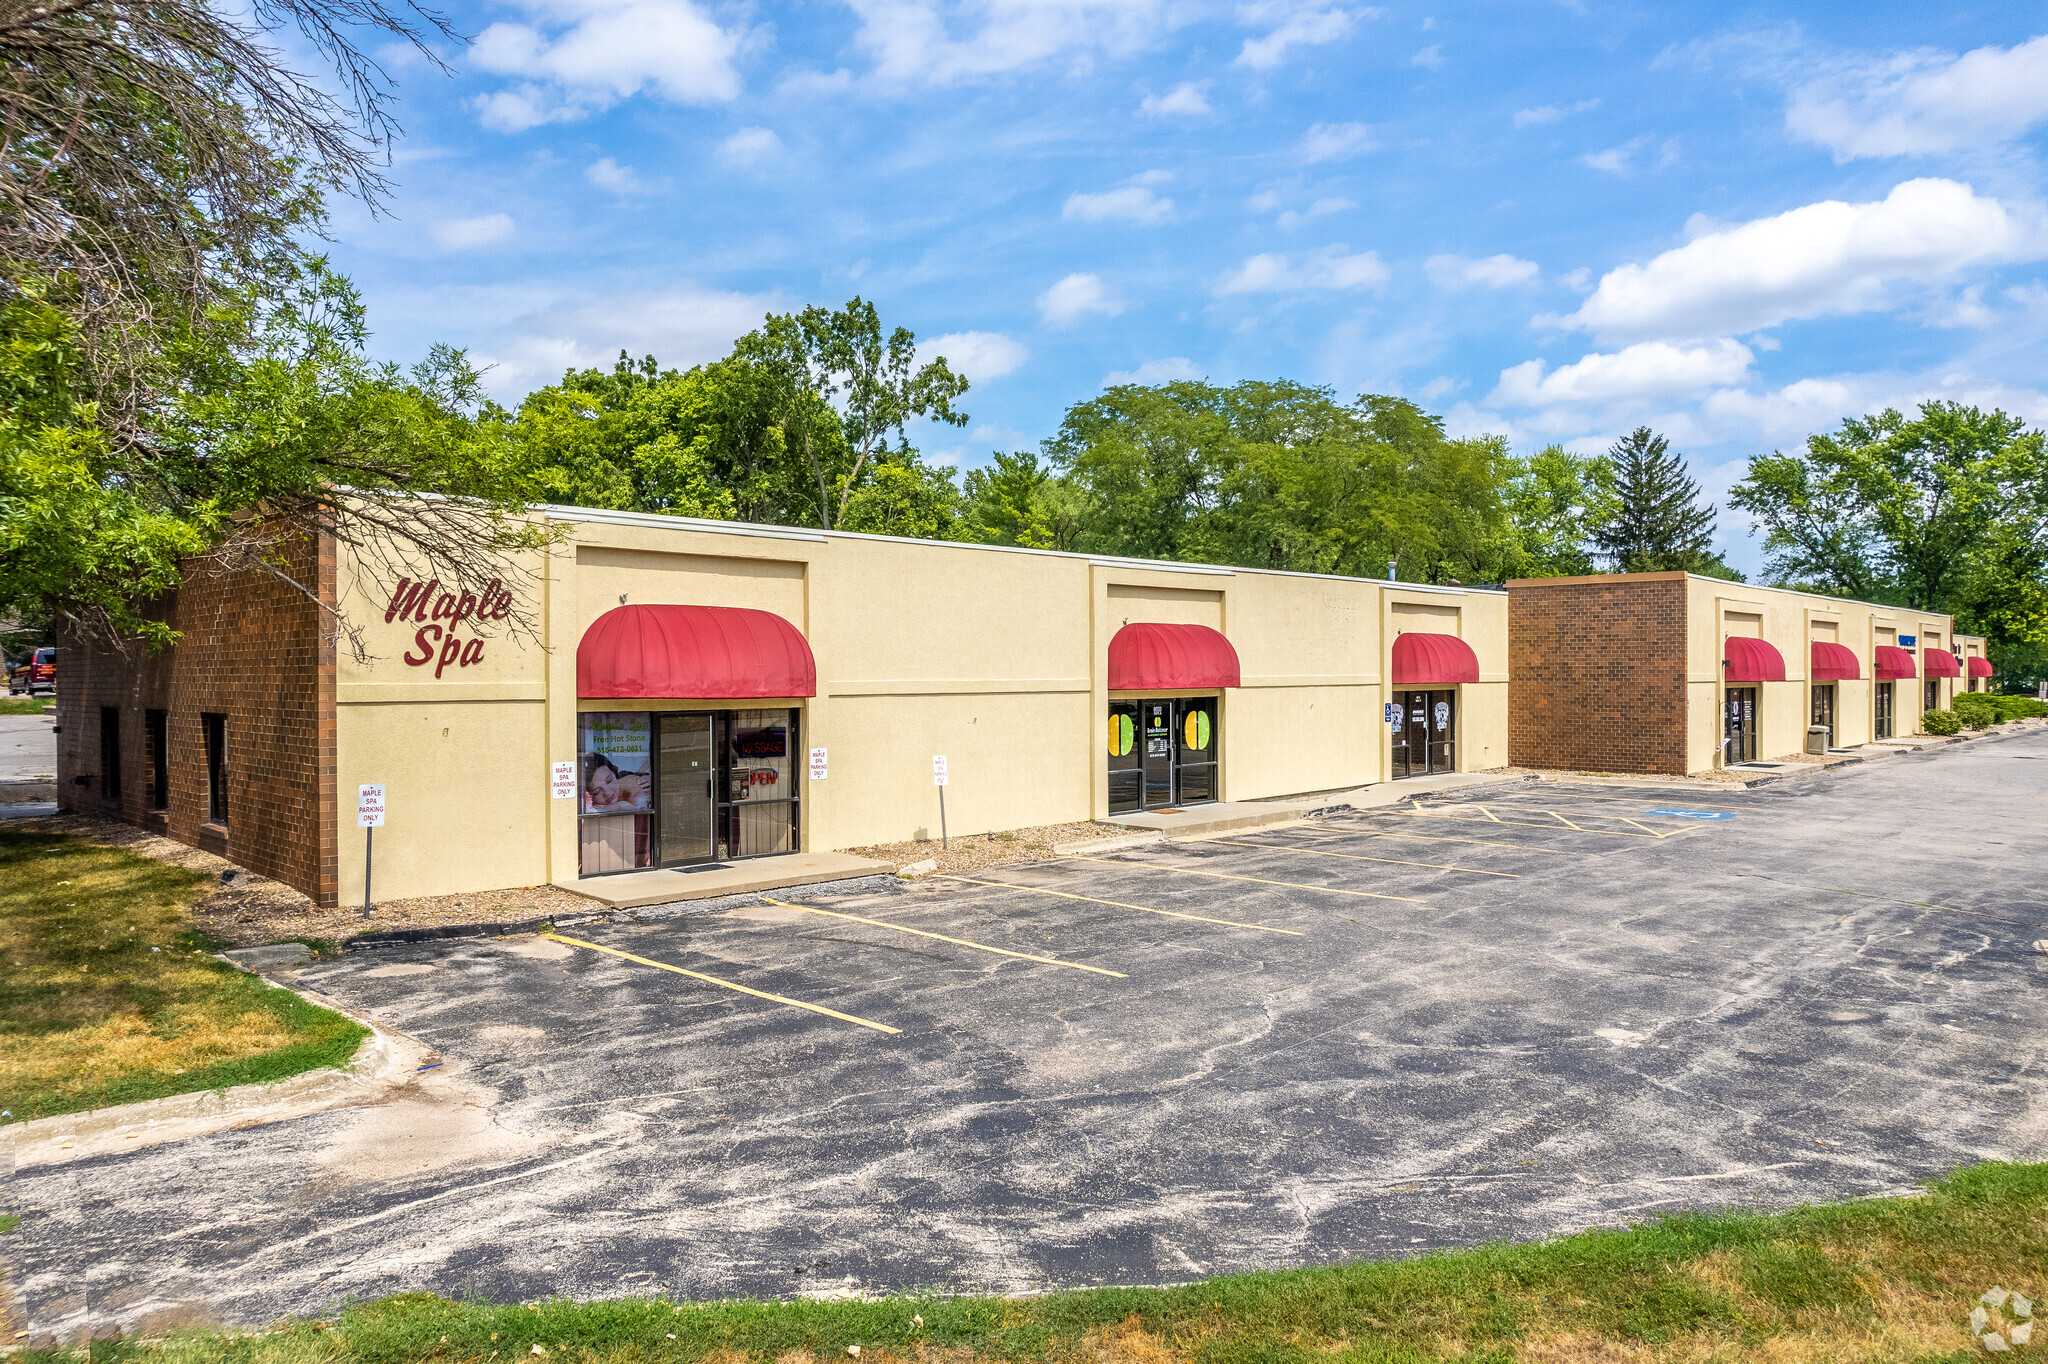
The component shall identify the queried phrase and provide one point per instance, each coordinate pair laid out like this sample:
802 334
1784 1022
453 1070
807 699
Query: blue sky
1552 221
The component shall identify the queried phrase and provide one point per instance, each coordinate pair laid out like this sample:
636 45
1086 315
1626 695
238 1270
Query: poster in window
615 764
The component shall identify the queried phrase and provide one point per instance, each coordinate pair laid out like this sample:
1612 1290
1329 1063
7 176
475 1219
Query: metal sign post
939 780
369 818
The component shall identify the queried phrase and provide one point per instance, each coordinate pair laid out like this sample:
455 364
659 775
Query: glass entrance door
1162 753
1126 759
686 768
1824 709
1157 718
1738 726
1881 725
1425 739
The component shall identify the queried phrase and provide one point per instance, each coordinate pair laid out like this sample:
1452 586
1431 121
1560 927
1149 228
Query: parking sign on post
939 780
369 818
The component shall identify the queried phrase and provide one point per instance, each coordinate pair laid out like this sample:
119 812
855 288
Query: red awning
1834 663
1941 663
1147 657
1422 660
1751 660
1979 667
1893 663
711 653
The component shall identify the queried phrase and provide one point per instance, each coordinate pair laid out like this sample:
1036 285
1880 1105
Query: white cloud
461 234
1616 160
1822 259
1186 99
980 356
1327 269
1137 204
1169 370
682 326
1922 102
1431 57
1788 415
1489 272
1650 369
1551 113
1293 23
613 50
1321 208
944 42
1335 142
1075 297
749 147
609 174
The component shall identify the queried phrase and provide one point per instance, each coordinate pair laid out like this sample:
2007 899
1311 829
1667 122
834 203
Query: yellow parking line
1226 876
1567 823
1482 842
1119 904
1355 857
726 984
1646 828
957 942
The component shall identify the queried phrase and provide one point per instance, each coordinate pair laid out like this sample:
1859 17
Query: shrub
1941 722
1979 708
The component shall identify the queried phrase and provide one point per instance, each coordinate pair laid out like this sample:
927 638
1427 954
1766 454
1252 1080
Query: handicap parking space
1386 1030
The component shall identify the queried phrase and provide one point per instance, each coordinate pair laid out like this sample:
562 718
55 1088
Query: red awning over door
1751 660
1941 663
1893 663
1979 667
1148 657
1425 660
710 653
1834 663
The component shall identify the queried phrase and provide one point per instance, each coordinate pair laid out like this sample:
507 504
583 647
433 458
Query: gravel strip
978 852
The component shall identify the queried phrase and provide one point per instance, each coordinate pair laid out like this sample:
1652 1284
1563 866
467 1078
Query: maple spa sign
438 613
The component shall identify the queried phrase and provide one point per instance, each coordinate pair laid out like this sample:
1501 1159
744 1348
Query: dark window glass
159 759
216 728
1126 759
110 755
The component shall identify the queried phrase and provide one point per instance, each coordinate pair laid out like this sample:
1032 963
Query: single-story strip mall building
1678 673
694 692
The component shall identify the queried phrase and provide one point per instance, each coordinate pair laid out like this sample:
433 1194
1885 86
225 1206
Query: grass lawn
108 994
1884 1280
26 705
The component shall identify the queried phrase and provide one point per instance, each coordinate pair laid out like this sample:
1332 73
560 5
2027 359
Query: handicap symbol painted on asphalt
1694 814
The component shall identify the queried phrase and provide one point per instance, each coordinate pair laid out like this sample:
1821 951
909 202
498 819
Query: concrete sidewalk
1252 814
666 885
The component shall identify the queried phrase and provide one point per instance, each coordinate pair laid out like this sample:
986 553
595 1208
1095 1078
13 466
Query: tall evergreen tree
1656 522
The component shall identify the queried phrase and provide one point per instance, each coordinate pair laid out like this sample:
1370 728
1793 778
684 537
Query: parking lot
1371 1034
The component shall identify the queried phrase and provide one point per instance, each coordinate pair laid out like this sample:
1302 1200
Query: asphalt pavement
1431 1025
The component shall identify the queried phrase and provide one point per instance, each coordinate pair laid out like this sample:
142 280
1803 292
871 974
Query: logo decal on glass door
1443 716
1196 730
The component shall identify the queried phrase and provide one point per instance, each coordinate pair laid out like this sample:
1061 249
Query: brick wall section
1596 671
252 648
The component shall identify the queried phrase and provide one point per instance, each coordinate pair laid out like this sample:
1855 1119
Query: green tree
1554 500
1011 502
1656 523
873 382
1944 510
178 377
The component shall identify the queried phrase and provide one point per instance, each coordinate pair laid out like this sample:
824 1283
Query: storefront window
616 799
762 783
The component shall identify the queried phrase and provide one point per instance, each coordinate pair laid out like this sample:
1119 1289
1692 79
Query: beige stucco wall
996 658
1791 621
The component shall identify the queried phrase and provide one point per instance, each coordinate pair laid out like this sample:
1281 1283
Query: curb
384 1062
